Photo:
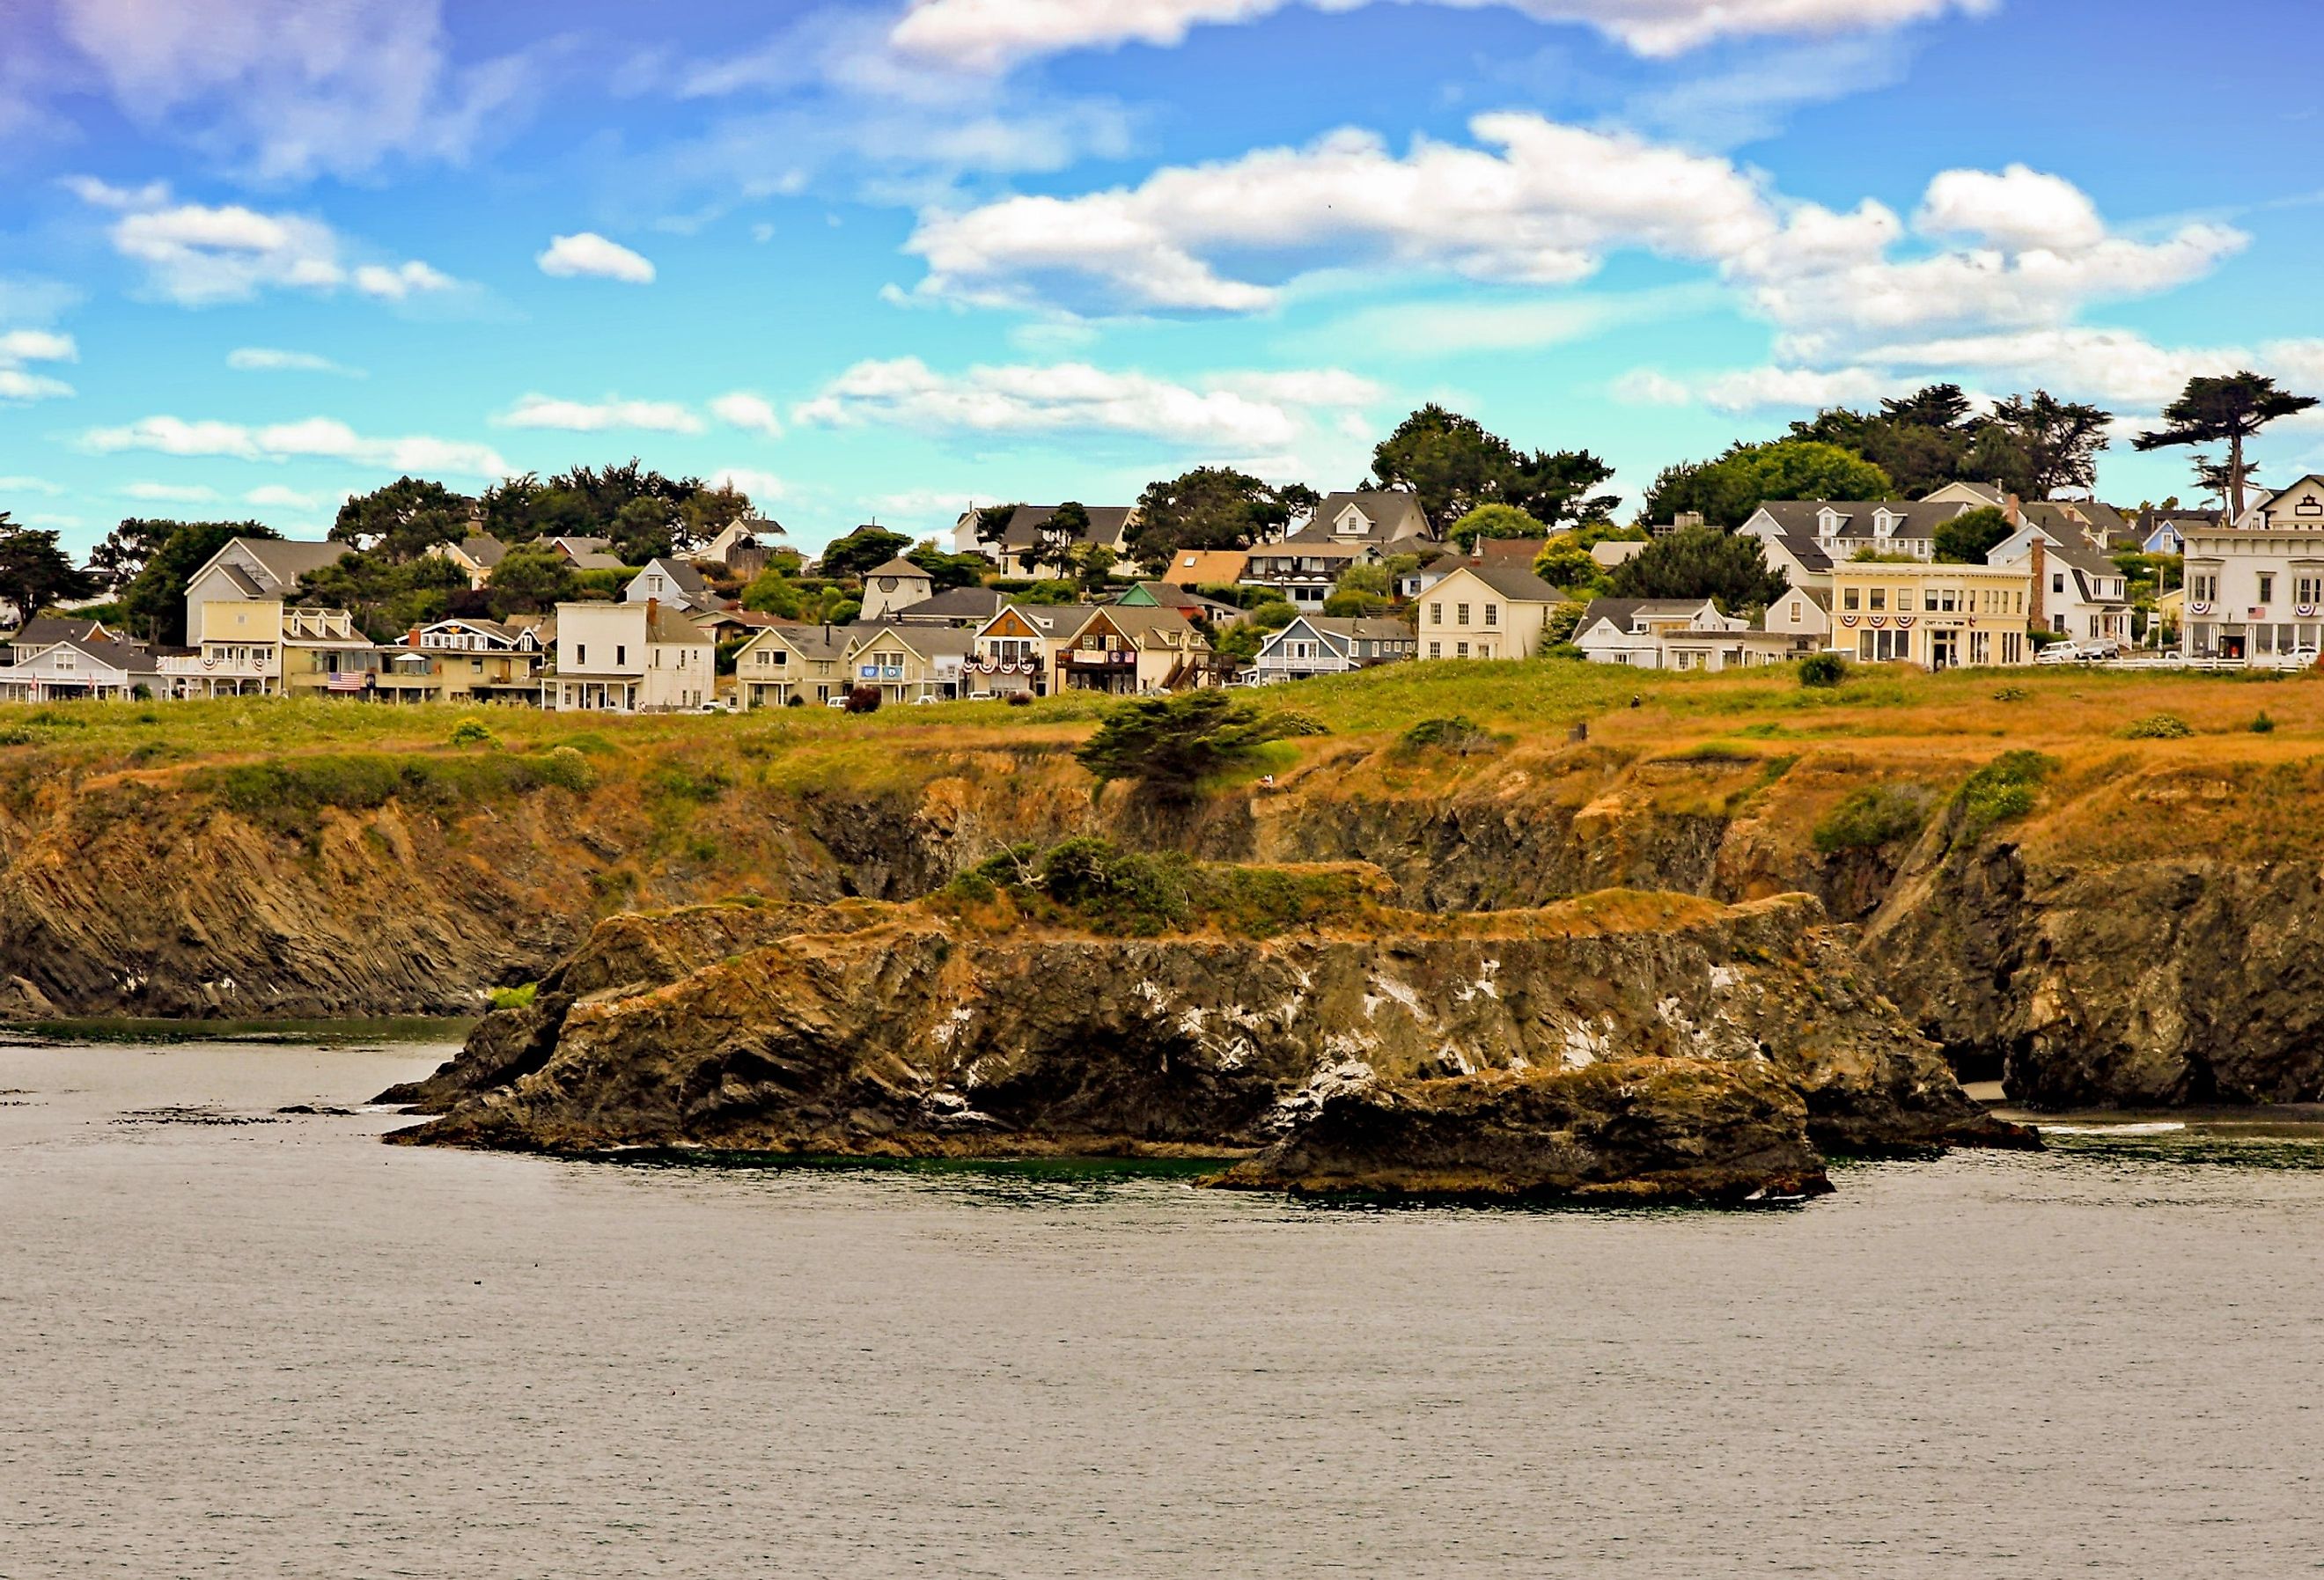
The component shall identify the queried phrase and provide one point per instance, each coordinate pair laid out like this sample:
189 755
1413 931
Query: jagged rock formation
1727 1043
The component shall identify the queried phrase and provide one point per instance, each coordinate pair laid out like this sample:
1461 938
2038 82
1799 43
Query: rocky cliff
2132 928
1655 1045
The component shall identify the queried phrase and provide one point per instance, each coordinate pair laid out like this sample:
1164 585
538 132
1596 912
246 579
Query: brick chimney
2039 563
411 637
2012 511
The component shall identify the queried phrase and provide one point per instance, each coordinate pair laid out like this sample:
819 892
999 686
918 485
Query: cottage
1487 612
787 665
2165 532
478 554
909 663
1390 521
82 667
1131 650
632 658
586 553
1637 631
466 659
43 632
965 607
1306 572
897 585
2078 591
674 584
1938 616
1318 644
1030 541
1802 539
1016 649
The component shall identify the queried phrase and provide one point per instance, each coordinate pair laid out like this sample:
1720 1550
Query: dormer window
1884 522
2310 506
1353 524
1828 523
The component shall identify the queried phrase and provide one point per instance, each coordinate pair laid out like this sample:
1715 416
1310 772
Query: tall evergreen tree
2230 410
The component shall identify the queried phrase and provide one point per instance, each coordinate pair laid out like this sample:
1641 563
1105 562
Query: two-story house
1132 651
632 658
1803 538
1016 650
787 665
1485 612
1030 541
1641 633
2079 593
259 568
2255 590
1938 616
673 584
81 667
1318 644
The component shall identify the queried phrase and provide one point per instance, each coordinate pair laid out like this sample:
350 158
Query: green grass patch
2002 792
515 998
1875 816
1095 884
290 794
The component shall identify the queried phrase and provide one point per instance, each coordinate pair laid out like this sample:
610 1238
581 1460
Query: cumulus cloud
287 89
31 485
269 360
762 486
750 413
587 255
274 494
196 254
991 35
1241 414
169 493
598 416
18 347
312 437
1541 204
1758 389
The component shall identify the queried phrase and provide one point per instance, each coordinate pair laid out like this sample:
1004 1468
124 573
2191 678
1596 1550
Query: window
1435 650
2304 590
1847 599
475 666
1436 613
1792 613
1878 597
1492 614
1929 600
2204 589
2058 583
1461 615
621 655
1461 650
1946 598
2058 623
2267 588
581 652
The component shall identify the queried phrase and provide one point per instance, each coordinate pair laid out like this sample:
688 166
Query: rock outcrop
1657 1044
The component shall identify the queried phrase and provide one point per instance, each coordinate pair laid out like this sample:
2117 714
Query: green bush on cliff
2158 726
2002 790
1093 884
1170 744
472 730
1873 817
515 998
290 794
1459 736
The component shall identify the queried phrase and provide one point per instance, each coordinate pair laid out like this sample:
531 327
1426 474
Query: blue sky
886 259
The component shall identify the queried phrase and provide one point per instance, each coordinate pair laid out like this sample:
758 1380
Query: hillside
2111 918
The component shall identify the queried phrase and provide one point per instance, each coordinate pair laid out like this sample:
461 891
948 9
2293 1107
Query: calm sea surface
280 1348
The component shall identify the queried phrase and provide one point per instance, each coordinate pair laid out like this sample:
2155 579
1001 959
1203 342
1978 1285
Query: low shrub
472 730
1093 884
566 768
2010 694
1461 736
515 998
2002 790
2263 725
2158 726
1021 699
1291 721
864 699
683 782
1821 671
1875 816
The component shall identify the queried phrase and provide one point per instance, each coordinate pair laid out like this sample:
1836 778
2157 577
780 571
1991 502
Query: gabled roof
125 656
978 603
1625 613
665 623
1511 582
492 628
1517 551
47 630
1394 513
484 549
899 567
1107 524
287 559
930 641
810 641
1919 518
597 559
687 579
1357 628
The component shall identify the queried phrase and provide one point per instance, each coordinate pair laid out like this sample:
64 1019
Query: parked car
2060 652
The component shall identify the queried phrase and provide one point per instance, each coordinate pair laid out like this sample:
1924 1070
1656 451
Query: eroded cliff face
1650 1043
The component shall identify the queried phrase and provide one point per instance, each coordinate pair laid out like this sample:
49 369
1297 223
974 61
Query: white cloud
1759 389
104 194
587 254
313 437
169 493
287 89
31 485
268 359
750 413
596 416
1543 210
16 385
195 255
18 347
1541 204
274 494
762 486
1244 413
990 35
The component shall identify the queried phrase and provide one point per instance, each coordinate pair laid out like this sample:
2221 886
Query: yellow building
1939 617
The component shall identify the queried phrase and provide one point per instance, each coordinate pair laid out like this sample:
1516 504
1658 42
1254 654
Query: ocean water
240 1343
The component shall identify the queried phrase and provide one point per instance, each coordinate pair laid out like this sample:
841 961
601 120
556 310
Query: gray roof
1395 516
1512 581
978 603
1802 517
1626 612
484 549
1107 522
115 655
1359 628
900 565
287 559
689 580
48 630
1055 619
927 641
